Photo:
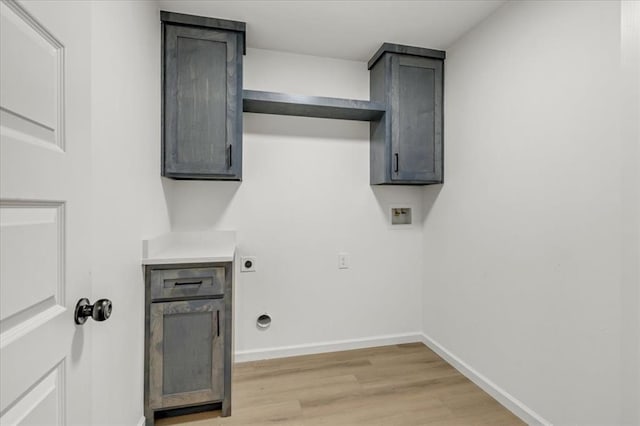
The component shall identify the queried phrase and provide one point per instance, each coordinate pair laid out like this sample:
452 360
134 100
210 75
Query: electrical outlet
248 264
343 261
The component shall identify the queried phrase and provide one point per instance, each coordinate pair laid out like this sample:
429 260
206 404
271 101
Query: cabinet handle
218 322
188 283
230 156
395 169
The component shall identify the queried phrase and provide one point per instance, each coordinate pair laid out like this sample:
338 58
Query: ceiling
344 29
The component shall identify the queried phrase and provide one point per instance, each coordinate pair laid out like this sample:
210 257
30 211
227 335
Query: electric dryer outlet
248 264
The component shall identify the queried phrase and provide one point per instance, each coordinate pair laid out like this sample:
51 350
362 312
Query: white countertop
189 247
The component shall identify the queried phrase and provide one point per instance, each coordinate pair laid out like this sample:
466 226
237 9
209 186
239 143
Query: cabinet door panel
187 352
417 119
186 363
201 102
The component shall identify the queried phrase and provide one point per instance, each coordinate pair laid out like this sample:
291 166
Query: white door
44 211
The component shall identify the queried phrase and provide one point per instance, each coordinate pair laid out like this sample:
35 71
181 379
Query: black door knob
99 311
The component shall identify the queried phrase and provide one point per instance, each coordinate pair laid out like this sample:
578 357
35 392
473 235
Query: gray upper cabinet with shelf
202 97
406 144
203 102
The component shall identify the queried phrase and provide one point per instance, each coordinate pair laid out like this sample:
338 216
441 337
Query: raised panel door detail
42 404
29 231
31 79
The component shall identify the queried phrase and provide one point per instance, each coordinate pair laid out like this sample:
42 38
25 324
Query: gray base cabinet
188 338
202 97
406 144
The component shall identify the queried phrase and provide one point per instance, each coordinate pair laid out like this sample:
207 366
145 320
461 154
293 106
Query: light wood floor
390 385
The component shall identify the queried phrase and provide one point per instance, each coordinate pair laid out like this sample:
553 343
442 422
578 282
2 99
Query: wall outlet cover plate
343 261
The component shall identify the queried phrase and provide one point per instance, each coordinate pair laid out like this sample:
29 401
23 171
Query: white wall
630 185
522 244
305 197
128 200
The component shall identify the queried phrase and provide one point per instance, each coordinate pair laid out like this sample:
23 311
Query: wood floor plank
404 384
323 388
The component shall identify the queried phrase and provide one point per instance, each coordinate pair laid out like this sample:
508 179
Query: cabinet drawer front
183 283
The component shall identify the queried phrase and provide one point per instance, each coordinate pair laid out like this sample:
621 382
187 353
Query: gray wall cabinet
203 102
202 97
406 144
188 338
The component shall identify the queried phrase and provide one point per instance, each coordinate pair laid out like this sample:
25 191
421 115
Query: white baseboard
142 421
503 397
335 346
